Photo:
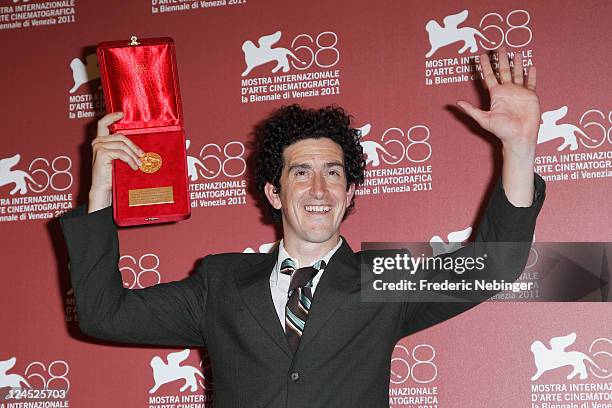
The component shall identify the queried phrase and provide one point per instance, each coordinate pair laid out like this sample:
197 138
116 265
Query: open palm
514 116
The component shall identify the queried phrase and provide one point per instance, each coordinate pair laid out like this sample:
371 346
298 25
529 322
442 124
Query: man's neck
308 252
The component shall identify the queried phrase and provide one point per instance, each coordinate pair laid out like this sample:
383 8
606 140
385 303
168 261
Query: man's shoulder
224 266
228 261
234 259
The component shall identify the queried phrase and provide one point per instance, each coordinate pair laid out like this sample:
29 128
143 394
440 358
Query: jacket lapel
253 283
340 278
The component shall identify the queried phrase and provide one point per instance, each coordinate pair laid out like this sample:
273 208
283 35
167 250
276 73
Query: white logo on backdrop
402 149
455 238
138 269
371 148
166 373
494 30
11 380
193 163
441 36
84 72
220 160
392 139
263 248
255 56
213 162
550 130
546 359
406 364
40 376
8 176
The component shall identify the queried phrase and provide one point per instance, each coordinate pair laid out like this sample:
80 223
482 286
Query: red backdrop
397 67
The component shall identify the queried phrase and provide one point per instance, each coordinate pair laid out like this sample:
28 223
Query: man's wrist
99 200
520 152
517 173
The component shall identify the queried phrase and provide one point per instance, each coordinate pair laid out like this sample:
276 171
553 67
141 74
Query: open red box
140 79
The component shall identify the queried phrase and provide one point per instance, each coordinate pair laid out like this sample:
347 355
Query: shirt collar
283 254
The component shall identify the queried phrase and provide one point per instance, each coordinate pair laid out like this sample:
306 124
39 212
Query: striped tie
299 299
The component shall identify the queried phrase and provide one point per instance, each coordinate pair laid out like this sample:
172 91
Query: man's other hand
514 117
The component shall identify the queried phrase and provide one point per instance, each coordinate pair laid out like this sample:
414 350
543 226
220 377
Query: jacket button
295 376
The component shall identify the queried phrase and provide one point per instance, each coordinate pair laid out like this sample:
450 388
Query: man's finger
137 150
487 72
531 79
477 114
517 73
504 66
106 121
117 137
119 145
123 156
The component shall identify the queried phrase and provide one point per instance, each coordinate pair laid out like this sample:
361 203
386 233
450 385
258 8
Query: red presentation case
140 79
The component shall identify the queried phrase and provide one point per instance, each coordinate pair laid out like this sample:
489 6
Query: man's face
313 196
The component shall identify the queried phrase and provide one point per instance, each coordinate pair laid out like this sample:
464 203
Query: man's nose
318 186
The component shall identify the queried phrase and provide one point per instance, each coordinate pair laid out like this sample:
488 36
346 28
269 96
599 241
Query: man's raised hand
107 147
514 116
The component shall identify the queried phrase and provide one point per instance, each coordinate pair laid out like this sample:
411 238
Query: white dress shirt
279 282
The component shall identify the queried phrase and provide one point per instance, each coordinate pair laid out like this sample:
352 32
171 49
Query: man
274 342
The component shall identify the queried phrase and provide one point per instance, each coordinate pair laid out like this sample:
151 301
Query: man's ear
350 192
272 195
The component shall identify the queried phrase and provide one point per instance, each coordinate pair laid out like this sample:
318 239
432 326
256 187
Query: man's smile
317 209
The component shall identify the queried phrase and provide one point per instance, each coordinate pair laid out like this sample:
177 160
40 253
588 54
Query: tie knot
302 276
287 266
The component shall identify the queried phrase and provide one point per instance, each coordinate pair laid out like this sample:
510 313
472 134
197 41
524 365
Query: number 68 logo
423 370
141 273
46 174
56 372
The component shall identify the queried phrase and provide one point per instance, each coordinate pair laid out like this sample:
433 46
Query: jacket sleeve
505 234
164 314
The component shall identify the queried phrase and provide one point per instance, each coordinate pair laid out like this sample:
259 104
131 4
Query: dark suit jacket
344 355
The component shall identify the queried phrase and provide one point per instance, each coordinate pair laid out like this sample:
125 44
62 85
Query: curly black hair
292 123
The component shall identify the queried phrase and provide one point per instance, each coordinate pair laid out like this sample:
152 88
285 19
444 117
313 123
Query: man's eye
300 173
334 172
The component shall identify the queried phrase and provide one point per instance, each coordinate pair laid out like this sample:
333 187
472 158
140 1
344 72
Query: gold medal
151 162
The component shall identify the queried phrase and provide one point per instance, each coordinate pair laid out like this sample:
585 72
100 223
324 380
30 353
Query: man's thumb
473 112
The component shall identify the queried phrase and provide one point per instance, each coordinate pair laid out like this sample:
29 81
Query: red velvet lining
171 147
143 85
